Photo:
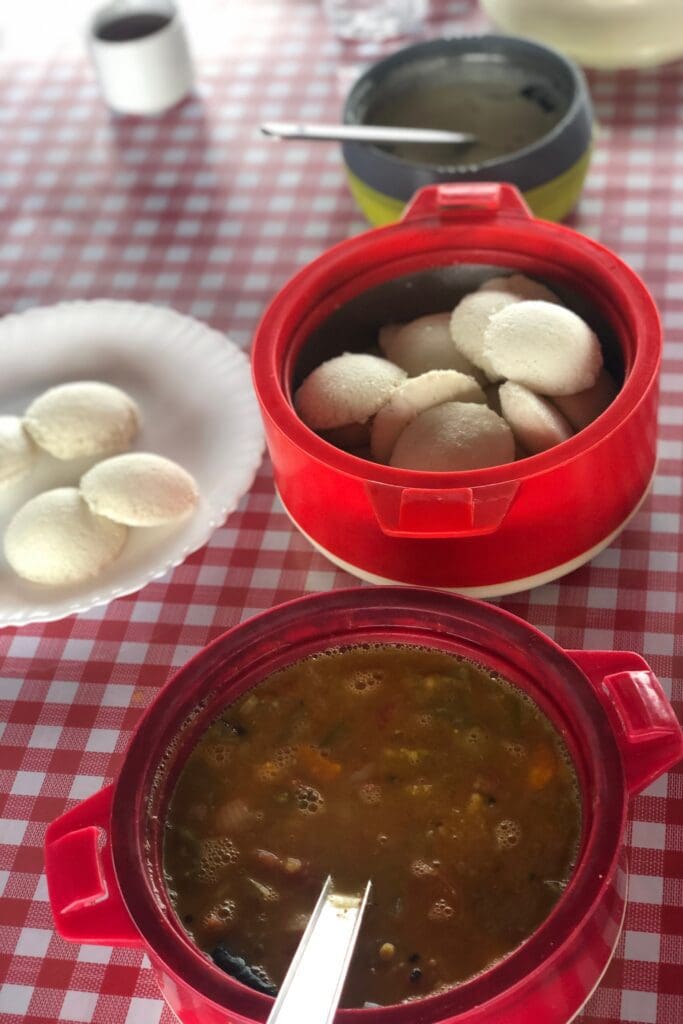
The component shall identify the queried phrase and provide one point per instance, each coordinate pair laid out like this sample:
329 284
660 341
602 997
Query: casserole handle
440 512
81 882
467 199
648 732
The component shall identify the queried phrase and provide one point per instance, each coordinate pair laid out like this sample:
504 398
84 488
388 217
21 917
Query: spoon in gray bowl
372 133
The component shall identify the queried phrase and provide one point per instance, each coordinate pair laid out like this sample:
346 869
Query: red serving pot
489 531
104 857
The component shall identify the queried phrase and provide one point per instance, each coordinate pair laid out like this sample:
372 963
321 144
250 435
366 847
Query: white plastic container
598 33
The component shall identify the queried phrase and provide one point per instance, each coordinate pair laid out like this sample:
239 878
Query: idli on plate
82 418
347 389
452 437
139 489
546 347
411 398
17 451
55 539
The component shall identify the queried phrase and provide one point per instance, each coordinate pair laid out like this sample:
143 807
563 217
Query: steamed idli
17 451
469 321
55 539
492 392
585 406
548 348
521 286
424 344
452 437
534 421
411 398
139 489
351 437
82 418
385 337
347 389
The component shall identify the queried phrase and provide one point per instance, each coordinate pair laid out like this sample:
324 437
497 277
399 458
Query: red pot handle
81 882
486 199
447 512
648 732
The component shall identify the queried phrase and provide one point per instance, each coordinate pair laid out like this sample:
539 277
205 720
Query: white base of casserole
491 589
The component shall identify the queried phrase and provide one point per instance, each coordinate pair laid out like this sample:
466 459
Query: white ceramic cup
141 55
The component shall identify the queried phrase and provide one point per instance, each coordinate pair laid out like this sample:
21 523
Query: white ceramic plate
193 387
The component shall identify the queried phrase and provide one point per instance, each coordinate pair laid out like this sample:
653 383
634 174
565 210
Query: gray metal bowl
549 171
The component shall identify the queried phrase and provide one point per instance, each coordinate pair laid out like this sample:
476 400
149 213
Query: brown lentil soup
441 782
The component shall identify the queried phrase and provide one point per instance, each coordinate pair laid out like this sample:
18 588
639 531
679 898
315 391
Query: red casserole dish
104 857
485 532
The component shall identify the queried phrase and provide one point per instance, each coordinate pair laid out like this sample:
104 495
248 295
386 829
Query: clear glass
374 20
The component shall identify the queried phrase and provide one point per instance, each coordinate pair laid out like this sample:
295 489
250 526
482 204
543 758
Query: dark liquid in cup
131 26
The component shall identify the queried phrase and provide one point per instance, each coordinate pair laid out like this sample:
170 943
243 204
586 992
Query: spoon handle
361 133
313 984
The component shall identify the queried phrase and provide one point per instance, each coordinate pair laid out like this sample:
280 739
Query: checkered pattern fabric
195 211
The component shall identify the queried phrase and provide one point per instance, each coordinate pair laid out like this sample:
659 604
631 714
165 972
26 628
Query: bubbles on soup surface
365 680
261 973
215 854
508 833
224 912
421 869
370 793
273 769
284 756
475 736
308 800
268 772
517 751
268 893
440 911
227 909
217 754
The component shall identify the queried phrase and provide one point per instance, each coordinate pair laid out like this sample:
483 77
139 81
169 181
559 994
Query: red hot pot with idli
483 532
104 857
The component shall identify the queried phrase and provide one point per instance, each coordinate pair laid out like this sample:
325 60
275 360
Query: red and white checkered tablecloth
195 211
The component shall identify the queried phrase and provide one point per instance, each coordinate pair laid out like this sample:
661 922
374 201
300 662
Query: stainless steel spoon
362 133
313 985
